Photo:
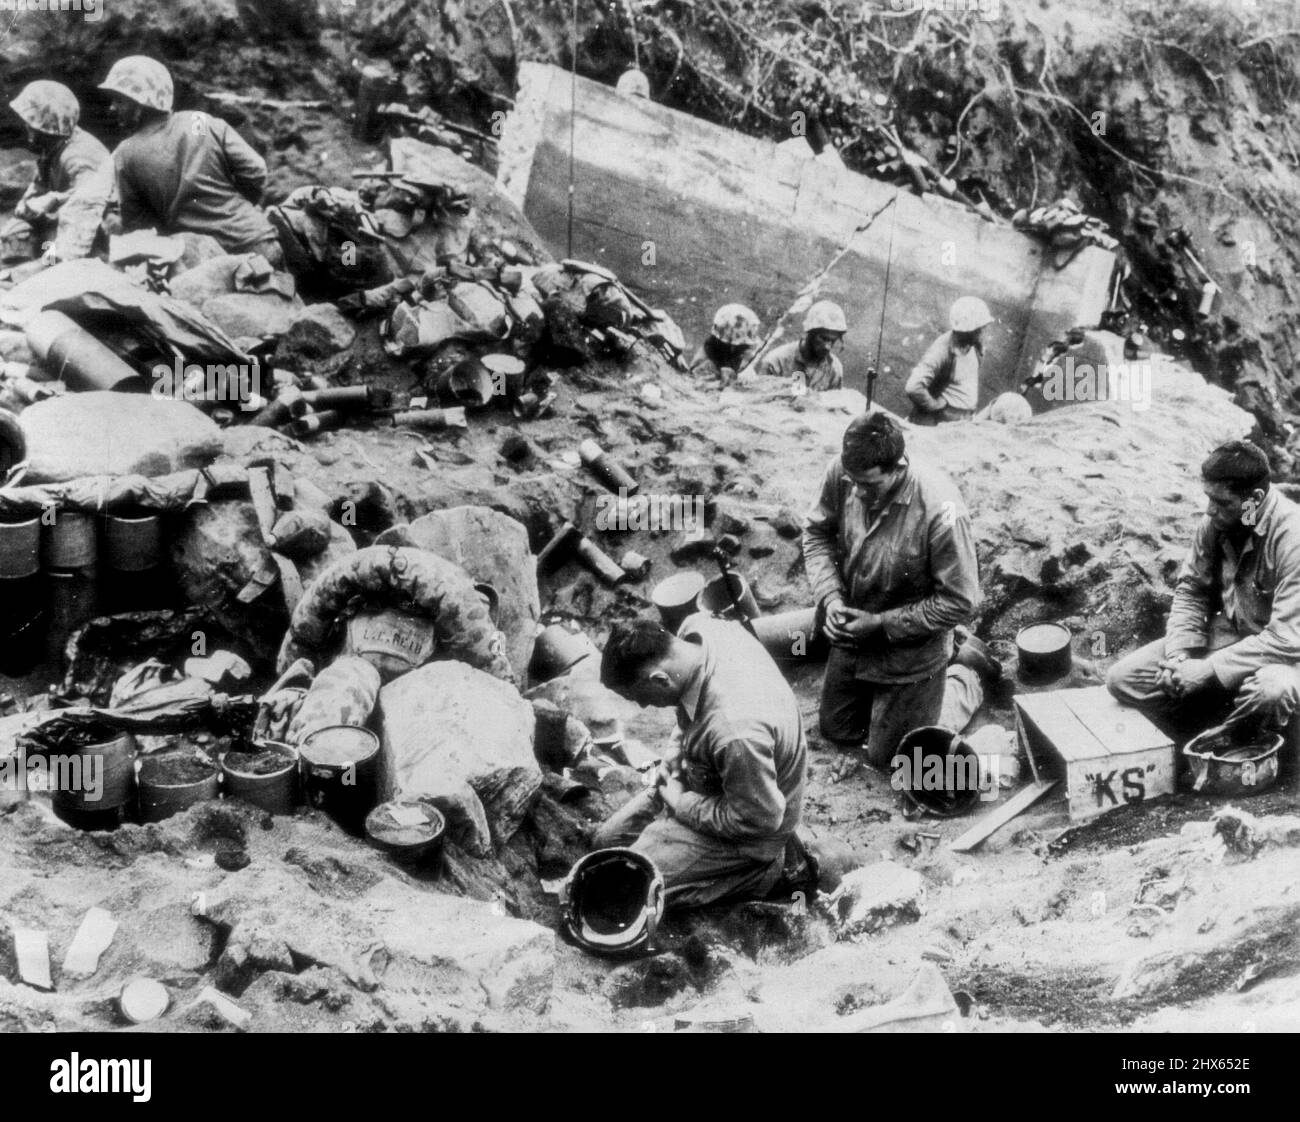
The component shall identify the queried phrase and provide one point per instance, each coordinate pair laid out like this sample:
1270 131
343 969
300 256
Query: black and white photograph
651 517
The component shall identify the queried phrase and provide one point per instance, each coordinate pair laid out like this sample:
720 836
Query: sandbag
464 739
99 492
115 434
405 579
344 693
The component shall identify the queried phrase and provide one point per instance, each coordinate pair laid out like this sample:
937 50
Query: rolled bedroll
405 579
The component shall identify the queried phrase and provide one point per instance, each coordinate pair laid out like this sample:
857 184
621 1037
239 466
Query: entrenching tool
726 549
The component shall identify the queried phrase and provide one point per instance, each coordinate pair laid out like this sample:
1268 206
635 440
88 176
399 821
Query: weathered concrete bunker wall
692 215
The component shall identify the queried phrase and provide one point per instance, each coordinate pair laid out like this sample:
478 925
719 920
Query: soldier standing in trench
889 553
945 385
809 363
731 345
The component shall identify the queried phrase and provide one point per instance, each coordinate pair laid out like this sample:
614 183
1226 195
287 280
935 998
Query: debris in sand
1244 835
926 1005
142 1000
877 896
92 939
32 952
211 1004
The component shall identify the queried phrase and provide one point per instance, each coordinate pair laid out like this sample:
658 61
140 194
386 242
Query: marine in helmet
810 362
720 823
633 83
187 170
59 216
730 346
945 384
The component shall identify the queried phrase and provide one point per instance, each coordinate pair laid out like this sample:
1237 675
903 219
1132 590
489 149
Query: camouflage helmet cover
48 107
735 325
144 80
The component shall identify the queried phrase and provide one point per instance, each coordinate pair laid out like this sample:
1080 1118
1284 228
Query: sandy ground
1140 914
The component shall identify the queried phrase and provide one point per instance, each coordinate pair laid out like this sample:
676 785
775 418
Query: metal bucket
116 766
133 541
392 641
73 598
957 795
1221 766
69 541
557 650
410 830
253 777
20 547
676 597
23 619
340 773
717 600
792 636
1043 651
466 383
160 796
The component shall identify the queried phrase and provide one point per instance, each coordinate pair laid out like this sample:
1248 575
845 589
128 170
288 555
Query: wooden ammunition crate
1107 754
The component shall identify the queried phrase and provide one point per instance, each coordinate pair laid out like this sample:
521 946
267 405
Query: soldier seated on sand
59 216
1232 642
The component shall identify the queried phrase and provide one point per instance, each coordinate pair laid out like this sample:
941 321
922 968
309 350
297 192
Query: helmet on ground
48 107
144 80
1011 409
633 83
611 902
825 315
735 325
1222 766
969 313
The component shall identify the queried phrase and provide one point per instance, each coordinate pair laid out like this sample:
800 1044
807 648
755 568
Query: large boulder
251 315
465 739
314 332
213 277
104 433
493 549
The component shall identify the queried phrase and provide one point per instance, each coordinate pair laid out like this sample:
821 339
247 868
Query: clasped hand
847 626
1179 677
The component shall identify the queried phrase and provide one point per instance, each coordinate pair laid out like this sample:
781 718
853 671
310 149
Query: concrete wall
726 217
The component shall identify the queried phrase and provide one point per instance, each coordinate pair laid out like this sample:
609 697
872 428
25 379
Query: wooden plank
282 485
259 490
999 816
